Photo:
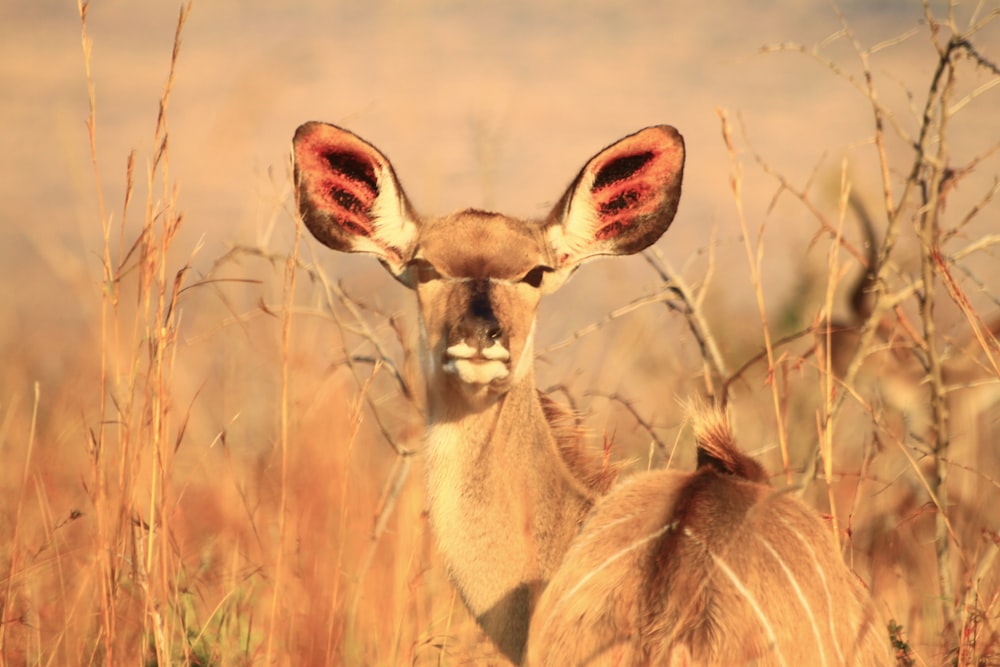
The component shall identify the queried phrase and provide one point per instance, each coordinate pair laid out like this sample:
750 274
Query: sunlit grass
227 471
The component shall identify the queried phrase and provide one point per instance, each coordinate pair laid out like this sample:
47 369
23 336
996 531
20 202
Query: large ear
623 199
349 197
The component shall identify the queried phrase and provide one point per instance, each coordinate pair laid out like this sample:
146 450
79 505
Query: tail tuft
716 446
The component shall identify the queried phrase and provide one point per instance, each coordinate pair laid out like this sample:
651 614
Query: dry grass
225 471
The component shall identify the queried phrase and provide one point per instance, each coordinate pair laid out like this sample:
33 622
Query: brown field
210 426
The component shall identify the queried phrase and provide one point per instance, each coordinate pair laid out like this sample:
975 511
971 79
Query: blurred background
491 105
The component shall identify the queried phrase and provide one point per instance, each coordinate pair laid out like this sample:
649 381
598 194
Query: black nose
479 325
480 331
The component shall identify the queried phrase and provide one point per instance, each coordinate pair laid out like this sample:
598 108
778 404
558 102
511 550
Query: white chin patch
477 367
478 371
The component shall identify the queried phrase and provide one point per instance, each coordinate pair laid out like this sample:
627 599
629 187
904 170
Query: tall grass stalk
288 297
755 256
271 518
135 438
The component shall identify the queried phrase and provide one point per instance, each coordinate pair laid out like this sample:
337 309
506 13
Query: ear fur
349 197
622 200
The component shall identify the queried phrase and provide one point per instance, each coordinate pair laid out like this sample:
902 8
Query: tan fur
508 479
710 567
596 473
705 568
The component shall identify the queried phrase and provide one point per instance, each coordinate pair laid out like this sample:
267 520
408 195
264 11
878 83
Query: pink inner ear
341 182
627 187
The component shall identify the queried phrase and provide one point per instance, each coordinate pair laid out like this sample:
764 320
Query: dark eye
535 276
424 271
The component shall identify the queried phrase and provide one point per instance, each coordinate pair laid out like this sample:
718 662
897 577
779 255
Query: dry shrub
222 469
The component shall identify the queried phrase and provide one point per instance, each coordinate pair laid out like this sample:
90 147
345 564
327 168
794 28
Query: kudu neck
450 403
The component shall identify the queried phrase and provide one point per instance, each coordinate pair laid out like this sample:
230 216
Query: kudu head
479 275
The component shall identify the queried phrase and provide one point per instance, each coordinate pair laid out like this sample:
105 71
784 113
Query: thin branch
692 312
647 426
662 296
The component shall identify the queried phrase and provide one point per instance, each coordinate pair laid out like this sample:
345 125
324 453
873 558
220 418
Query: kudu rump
706 567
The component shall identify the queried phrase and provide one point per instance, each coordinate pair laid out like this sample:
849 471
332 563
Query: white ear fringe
394 231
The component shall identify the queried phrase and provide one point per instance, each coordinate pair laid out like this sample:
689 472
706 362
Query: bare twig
754 259
662 296
645 424
335 294
693 314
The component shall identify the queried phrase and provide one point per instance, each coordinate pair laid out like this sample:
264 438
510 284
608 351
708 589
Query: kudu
895 369
509 482
712 567
890 369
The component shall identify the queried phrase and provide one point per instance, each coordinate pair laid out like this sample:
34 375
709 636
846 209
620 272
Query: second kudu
510 485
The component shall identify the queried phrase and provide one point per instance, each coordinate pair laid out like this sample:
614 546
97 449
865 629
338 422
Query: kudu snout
479 327
477 344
